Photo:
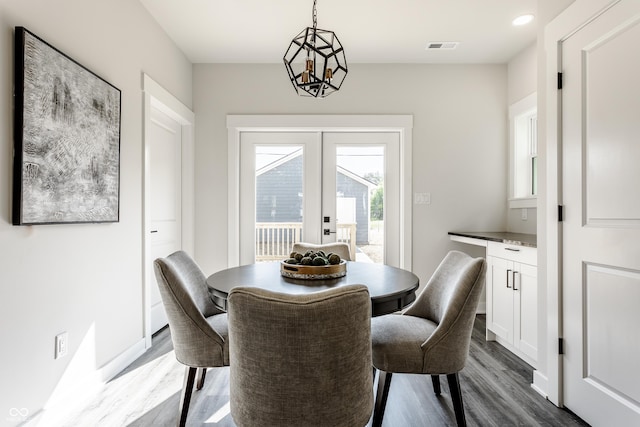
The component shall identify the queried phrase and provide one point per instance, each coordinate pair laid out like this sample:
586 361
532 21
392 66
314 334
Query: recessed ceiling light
522 20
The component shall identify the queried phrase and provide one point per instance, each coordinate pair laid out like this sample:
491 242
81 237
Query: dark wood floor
496 388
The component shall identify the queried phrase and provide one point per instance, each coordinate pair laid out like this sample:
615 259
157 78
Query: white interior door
165 157
601 232
355 166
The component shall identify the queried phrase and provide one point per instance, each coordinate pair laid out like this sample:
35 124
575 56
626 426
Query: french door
357 165
320 187
279 193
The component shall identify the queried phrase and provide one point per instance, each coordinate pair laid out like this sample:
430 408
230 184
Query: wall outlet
62 345
524 214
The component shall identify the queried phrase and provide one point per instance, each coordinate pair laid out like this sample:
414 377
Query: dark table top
500 236
391 288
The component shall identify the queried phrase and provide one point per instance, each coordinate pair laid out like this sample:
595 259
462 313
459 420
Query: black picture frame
66 138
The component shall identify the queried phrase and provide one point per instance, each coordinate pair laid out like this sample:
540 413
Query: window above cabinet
523 153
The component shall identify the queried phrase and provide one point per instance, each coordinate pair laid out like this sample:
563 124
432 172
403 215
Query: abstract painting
66 136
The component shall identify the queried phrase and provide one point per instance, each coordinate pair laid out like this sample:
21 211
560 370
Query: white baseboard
540 384
69 397
527 359
117 364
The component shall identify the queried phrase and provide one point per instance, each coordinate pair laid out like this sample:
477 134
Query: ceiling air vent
442 45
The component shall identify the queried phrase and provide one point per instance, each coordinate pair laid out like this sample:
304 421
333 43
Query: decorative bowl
311 272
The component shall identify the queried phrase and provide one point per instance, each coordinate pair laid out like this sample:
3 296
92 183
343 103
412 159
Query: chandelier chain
315 16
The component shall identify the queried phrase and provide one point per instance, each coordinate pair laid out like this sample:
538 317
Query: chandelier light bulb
328 74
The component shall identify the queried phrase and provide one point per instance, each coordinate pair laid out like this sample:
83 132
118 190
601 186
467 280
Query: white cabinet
512 299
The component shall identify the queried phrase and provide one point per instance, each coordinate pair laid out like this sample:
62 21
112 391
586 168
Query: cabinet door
526 305
500 297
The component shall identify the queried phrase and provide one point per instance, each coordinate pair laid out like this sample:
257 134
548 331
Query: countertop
520 239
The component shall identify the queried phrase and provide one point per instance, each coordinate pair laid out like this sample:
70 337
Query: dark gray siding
278 196
278 193
351 188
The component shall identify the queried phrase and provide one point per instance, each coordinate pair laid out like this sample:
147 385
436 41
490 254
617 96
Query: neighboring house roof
355 177
298 153
278 162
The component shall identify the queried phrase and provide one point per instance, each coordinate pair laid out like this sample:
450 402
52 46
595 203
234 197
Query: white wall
522 81
459 142
83 279
522 74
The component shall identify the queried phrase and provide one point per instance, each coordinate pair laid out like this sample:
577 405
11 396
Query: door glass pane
360 200
279 200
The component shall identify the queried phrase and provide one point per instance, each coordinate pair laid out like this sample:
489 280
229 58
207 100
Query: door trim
155 96
403 124
574 17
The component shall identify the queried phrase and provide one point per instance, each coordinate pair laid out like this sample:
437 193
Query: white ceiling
371 31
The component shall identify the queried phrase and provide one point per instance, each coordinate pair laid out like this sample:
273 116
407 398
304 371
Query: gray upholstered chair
433 335
339 248
300 360
198 328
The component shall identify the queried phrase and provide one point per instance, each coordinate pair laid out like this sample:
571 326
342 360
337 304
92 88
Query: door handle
514 280
154 231
508 271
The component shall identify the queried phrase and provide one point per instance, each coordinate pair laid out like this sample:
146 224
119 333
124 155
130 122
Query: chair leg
456 396
185 398
435 379
202 373
384 382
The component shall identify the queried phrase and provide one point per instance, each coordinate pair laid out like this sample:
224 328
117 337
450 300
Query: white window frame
522 150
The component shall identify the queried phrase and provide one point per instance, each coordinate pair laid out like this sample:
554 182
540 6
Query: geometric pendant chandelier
315 61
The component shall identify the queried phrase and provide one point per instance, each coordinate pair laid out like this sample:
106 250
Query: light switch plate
422 198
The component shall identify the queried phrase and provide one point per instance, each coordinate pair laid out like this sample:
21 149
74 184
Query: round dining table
391 288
